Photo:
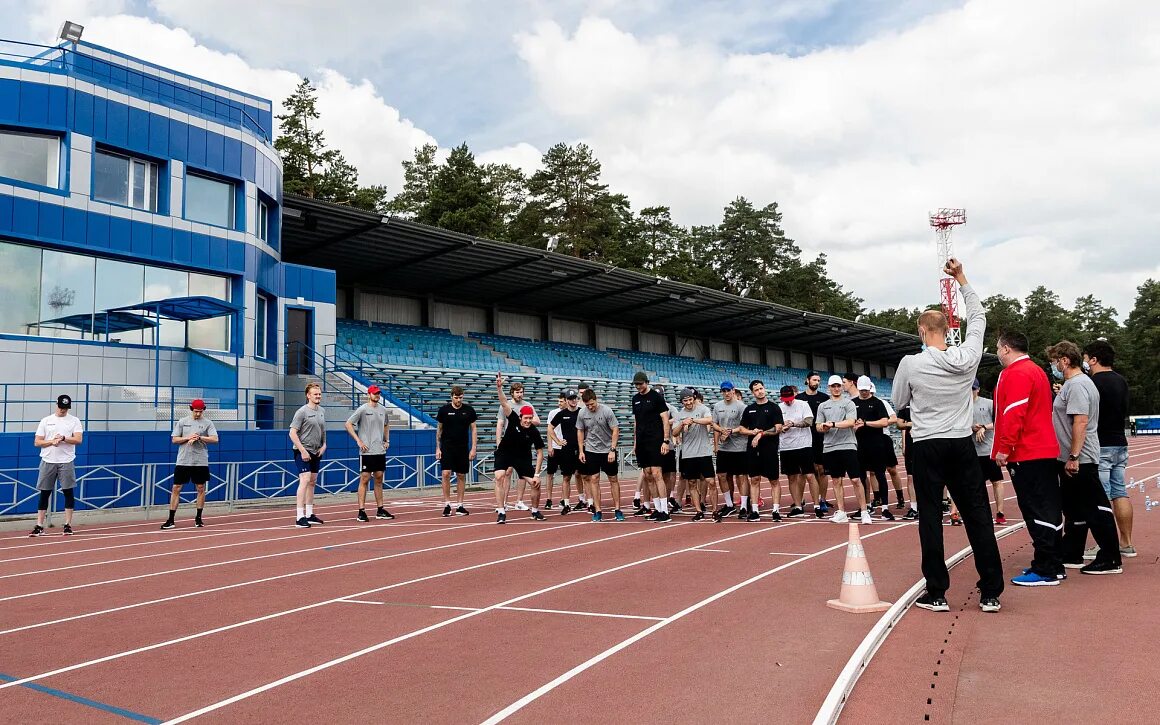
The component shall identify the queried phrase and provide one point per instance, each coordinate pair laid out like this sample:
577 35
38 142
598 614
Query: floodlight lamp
71 31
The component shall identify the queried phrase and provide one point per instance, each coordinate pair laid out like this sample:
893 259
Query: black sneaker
674 507
537 516
911 515
199 523
722 512
67 531
933 604
565 509
900 505
636 503
302 523
742 514
819 512
1076 564
1102 567
37 530
640 511
314 520
663 518
886 515
362 516
795 511
753 516
946 505
460 511
652 516
548 505
500 518
382 513
700 515
168 525
990 604
875 503
447 510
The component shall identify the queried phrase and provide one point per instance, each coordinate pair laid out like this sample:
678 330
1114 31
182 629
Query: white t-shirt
552 416
796 438
52 426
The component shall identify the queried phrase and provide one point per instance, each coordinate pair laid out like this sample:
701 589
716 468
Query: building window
33 158
214 333
209 200
262 319
263 222
125 180
20 292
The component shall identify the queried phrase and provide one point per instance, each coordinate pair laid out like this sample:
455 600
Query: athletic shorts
819 445
694 468
190 474
840 464
990 469
762 461
597 463
669 462
310 466
889 456
648 454
732 463
797 461
553 463
524 466
455 460
376 463
870 456
567 461
50 473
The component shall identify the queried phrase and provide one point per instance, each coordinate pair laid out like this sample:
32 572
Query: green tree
1046 322
809 287
460 199
750 249
569 202
418 175
1138 359
902 319
1095 320
659 236
509 187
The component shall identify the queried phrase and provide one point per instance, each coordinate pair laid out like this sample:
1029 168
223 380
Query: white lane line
439 625
784 553
580 614
715 551
597 659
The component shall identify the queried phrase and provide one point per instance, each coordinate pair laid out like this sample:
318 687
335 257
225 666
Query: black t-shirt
871 409
904 415
1113 407
456 425
565 423
814 399
518 440
648 408
762 416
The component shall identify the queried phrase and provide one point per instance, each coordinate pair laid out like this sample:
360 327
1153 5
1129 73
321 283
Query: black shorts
376 463
553 463
310 466
990 469
797 461
763 461
694 468
455 460
669 462
190 474
732 463
871 456
524 466
648 454
889 456
819 444
841 464
597 463
565 461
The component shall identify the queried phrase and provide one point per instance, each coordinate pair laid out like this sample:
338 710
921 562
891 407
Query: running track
448 620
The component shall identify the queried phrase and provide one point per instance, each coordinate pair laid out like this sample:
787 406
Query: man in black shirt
650 443
1099 357
762 421
455 443
815 396
871 447
904 424
564 450
514 454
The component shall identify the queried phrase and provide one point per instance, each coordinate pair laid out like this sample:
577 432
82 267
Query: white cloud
522 156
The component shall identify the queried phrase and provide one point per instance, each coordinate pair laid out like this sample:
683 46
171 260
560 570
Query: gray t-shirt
369 423
695 440
1078 396
834 411
597 427
193 453
728 415
984 412
311 425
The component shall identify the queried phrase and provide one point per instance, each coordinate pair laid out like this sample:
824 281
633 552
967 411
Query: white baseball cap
835 380
864 383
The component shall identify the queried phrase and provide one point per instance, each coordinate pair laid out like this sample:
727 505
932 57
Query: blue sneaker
1060 576
619 515
597 518
1031 579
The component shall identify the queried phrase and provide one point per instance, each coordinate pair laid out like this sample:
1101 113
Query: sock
777 507
637 495
173 514
744 502
729 498
914 507
300 513
534 509
309 510
664 505
199 513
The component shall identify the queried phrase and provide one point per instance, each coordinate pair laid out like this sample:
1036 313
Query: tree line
565 207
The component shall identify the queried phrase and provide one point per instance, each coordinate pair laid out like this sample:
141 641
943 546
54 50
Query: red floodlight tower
942 221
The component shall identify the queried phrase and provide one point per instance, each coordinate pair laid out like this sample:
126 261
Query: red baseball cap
198 404
527 410
374 390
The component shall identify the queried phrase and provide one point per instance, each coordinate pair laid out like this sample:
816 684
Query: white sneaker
839 517
521 506
1090 553
866 518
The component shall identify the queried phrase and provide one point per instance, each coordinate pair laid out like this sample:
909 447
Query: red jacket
1023 428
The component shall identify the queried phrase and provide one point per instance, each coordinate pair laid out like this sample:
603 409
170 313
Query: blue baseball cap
726 384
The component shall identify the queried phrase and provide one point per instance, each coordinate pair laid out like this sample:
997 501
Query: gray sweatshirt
936 384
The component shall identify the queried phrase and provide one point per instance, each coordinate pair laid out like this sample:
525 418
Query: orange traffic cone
858 591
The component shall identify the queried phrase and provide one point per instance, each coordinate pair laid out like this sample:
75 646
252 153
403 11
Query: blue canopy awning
198 307
104 322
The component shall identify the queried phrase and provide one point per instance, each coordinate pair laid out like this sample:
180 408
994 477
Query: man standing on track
514 454
796 446
581 492
652 431
308 433
905 425
553 447
562 431
191 434
456 440
669 460
691 427
517 393
732 464
838 421
57 437
984 428
871 446
815 397
597 435
1100 357
936 383
762 422
890 458
370 428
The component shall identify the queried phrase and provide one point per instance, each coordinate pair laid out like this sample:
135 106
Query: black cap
640 377
569 393
688 393
787 391
63 401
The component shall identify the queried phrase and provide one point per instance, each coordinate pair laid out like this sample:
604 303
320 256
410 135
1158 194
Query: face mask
1056 373
1086 368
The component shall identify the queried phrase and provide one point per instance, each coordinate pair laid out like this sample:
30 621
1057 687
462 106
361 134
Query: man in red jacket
1025 442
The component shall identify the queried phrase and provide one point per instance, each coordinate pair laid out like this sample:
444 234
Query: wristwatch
1073 457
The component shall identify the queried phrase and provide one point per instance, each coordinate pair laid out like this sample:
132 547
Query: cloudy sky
1040 117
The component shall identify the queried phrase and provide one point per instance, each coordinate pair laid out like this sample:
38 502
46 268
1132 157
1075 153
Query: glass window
214 333
162 284
66 289
20 290
263 221
209 200
260 332
124 180
30 157
119 284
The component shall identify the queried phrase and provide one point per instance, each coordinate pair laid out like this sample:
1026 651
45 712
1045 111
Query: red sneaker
1000 519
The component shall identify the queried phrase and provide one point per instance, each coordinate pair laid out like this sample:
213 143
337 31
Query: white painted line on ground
580 614
715 551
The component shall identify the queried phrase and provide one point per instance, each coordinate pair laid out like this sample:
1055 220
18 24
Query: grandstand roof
402 257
